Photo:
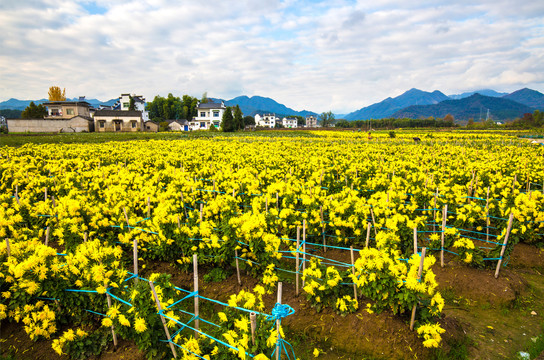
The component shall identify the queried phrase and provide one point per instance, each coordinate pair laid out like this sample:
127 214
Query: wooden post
195 269
266 204
126 216
17 194
297 261
112 329
514 182
163 321
45 194
237 267
85 236
418 278
367 234
487 216
444 219
135 250
201 207
278 346
321 179
277 201
148 208
53 202
415 240
8 249
303 249
253 322
353 272
434 209
508 229
47 231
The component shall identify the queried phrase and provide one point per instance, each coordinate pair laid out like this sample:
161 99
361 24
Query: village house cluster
80 116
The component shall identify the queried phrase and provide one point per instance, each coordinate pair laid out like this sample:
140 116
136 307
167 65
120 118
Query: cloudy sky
337 55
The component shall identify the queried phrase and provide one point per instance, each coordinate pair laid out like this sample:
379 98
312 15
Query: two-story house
208 114
311 121
266 120
123 103
289 123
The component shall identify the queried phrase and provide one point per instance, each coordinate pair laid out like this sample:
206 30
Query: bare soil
493 317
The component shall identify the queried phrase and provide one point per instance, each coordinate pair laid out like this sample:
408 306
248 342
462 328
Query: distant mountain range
414 103
474 106
258 105
16 104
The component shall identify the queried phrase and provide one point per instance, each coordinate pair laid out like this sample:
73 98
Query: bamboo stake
303 250
237 267
297 261
112 329
353 271
148 208
195 269
412 320
415 240
367 234
45 194
266 204
85 236
253 321
278 346
323 229
135 250
47 235
434 209
8 248
162 319
183 205
487 216
444 219
201 207
508 229
277 201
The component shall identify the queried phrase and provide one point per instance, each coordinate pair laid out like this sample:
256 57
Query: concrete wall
124 126
76 124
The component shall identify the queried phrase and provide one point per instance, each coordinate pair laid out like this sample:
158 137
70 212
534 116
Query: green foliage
172 107
238 118
10 113
392 123
132 104
227 122
326 119
86 346
249 121
34 112
392 134
216 275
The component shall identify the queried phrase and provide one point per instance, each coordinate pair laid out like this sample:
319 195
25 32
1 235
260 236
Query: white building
208 114
311 121
266 120
123 103
289 123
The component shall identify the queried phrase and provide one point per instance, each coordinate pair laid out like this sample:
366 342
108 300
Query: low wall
48 125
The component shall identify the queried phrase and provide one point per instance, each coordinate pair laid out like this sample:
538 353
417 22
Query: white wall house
123 103
289 123
311 121
207 115
266 120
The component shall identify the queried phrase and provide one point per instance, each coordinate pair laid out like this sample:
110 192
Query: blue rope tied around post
279 312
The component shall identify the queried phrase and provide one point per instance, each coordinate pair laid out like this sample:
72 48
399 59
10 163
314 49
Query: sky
337 55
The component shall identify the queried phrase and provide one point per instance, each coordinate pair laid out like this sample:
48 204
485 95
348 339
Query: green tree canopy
326 119
34 112
238 118
249 121
172 108
227 122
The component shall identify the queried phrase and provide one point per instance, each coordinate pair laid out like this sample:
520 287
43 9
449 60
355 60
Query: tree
227 122
172 107
34 112
56 94
132 104
238 119
249 121
326 119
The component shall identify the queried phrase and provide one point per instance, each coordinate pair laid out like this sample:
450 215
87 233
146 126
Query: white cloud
325 55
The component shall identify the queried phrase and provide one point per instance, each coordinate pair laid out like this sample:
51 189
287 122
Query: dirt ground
494 317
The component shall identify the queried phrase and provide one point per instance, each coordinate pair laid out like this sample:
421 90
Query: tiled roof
117 113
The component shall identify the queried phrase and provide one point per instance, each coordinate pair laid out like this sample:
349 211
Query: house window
202 114
216 123
133 123
69 111
101 124
202 124
125 105
216 113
